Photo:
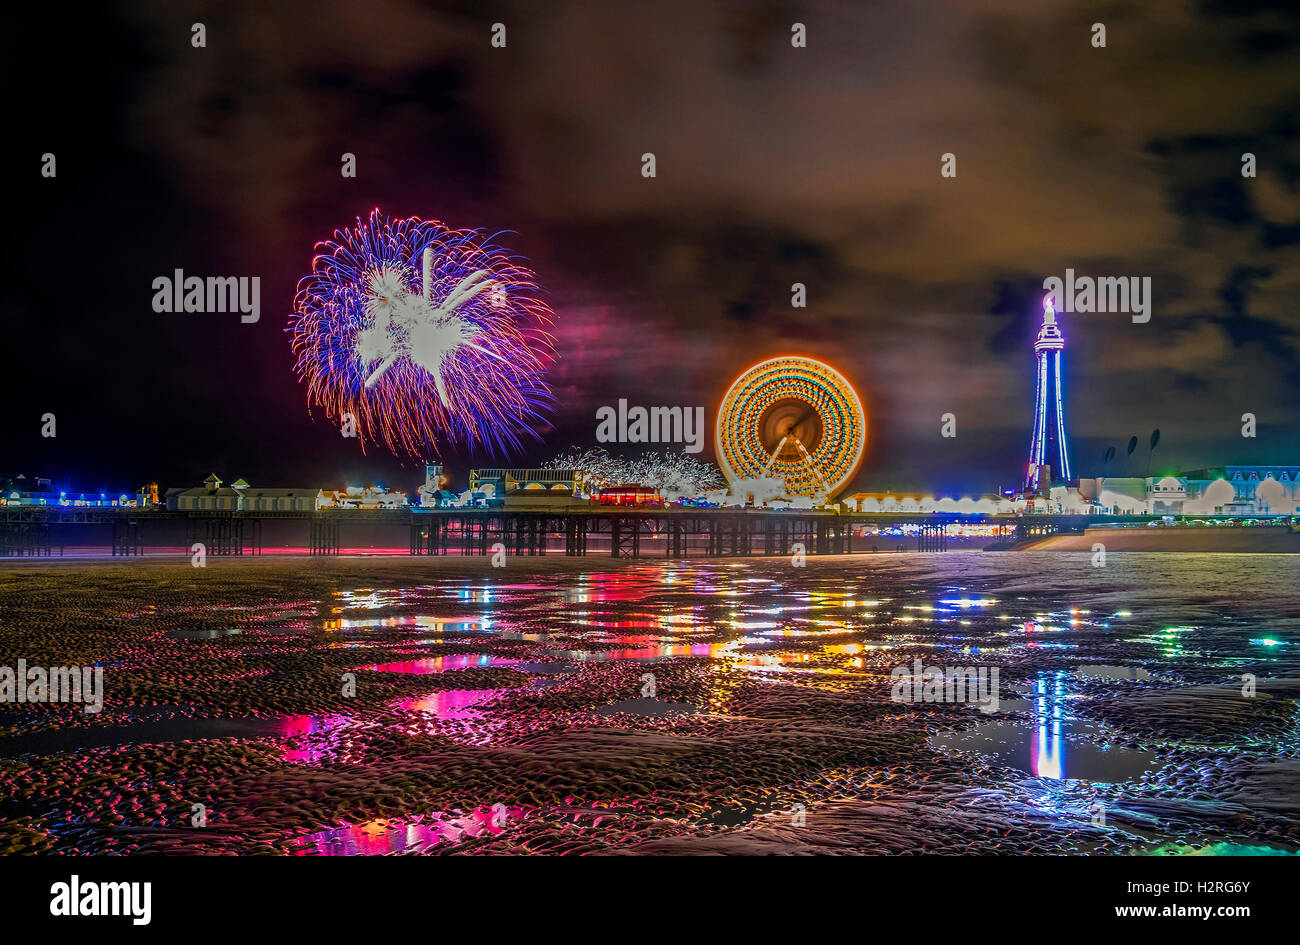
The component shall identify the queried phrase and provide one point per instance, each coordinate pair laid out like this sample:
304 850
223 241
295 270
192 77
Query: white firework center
402 323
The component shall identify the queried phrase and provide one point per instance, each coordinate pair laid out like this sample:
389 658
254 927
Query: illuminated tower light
1049 442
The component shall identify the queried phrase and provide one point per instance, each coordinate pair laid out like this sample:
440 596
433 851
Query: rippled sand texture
511 710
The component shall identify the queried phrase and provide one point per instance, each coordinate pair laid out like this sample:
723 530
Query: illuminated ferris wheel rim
840 420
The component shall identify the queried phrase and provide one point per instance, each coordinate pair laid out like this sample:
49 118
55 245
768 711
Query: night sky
775 165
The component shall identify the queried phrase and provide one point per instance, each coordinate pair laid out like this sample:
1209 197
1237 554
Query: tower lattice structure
1049 453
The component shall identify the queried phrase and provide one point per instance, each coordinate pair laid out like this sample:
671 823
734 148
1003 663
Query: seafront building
239 496
1248 491
39 491
1224 490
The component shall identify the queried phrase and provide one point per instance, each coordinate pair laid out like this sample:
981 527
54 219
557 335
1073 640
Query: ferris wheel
793 419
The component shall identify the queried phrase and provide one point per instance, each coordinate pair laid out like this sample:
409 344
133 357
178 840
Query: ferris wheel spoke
807 458
772 459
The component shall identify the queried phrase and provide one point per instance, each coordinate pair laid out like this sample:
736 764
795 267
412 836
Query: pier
618 532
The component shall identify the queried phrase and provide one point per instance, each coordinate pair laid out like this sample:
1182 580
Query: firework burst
420 334
672 473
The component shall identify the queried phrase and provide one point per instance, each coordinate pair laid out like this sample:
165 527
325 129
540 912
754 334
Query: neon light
1060 422
1049 341
822 470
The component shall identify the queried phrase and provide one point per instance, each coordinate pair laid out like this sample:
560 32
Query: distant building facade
1225 490
502 481
361 497
239 496
19 490
629 495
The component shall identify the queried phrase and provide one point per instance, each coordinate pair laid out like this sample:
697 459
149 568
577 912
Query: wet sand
508 710
1202 540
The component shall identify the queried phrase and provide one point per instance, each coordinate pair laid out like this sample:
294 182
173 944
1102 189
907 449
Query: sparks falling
410 333
670 472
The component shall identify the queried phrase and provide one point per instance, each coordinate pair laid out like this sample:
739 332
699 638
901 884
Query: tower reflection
1048 749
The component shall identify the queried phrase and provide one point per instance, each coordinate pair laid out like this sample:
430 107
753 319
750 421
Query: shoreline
1255 540
1229 541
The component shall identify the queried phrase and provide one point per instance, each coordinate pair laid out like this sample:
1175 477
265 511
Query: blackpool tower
1049 454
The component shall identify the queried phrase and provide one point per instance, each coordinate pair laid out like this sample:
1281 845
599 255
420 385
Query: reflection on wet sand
677 706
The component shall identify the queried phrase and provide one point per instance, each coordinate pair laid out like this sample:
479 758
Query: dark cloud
775 165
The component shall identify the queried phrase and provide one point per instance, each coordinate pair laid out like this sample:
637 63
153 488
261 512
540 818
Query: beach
360 706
